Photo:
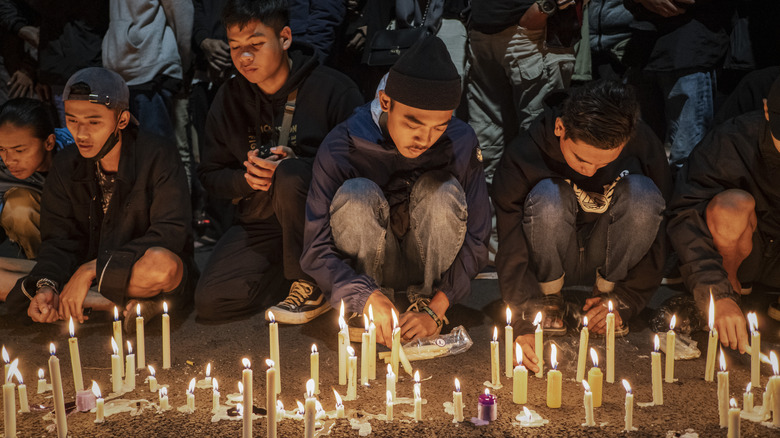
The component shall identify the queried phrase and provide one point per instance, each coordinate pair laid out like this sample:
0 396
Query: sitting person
28 141
724 217
115 213
579 201
262 133
398 200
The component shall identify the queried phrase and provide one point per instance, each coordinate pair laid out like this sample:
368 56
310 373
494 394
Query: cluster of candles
487 407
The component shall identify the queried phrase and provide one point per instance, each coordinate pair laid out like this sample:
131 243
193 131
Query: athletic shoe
304 303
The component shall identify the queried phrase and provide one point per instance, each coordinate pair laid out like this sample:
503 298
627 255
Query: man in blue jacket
398 200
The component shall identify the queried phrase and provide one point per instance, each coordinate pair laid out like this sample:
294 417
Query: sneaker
304 303
552 307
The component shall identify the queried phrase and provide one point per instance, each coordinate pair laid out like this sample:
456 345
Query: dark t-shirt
493 16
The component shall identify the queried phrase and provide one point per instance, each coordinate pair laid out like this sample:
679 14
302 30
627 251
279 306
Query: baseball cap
105 87
773 107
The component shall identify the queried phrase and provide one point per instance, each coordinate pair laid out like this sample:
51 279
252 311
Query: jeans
154 111
360 222
21 219
601 252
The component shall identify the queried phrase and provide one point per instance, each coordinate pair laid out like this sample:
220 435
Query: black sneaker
304 303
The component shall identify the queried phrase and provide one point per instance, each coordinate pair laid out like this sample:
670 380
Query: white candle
509 343
417 401
364 351
390 381
587 401
9 401
457 402
583 353
554 381
42 385
658 390
610 344
75 358
671 341
723 391
755 350
520 379
389 406
249 401
116 368
270 400
214 395
152 380
280 413
629 407
99 403
495 375
351 374
140 342
775 390
712 344
164 406
734 425
166 337
539 344
273 333
315 368
191 395
130 367
595 379
343 342
59 399
310 410
396 348
747 399
339 405
24 404
371 343
7 360
118 337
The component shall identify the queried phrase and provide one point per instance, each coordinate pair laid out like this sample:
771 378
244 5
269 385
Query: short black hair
272 13
602 114
23 112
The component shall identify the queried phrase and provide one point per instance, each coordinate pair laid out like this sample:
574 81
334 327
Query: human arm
179 14
43 307
325 17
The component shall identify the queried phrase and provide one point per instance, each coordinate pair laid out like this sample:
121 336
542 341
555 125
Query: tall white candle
343 343
417 403
59 400
495 375
75 358
658 389
712 344
587 401
629 407
734 426
140 341
9 401
130 367
396 347
390 381
310 410
457 402
24 404
671 342
775 389
166 337
214 395
152 380
273 333
755 350
595 379
351 374
509 343
249 401
99 403
610 343
315 368
364 351
117 326
371 344
582 357
723 391
339 405
539 344
520 379
270 402
116 368
7 361
747 399
389 406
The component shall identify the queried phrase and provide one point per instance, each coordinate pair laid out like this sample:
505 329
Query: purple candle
487 407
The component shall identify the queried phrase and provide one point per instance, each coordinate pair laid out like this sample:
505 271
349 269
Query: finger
258 183
257 171
732 331
269 163
79 312
723 335
213 64
600 326
531 363
742 338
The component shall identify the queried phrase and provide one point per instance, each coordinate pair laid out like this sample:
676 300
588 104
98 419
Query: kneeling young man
579 199
115 213
398 200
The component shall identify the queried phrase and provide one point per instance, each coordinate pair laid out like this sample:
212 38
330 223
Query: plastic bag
456 342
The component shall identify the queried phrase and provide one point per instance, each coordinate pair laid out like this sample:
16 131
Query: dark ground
690 403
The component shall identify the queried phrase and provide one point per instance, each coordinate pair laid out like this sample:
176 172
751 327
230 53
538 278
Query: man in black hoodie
262 133
579 199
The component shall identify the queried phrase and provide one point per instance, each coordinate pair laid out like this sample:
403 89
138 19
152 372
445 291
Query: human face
413 130
260 54
583 158
22 152
91 124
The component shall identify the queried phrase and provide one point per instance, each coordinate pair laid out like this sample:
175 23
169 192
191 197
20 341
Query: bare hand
730 324
530 360
597 312
20 85
665 8
44 92
31 34
75 291
415 325
358 40
217 53
43 307
260 171
383 319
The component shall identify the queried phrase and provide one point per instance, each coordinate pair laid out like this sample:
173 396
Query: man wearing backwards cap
398 200
115 211
725 216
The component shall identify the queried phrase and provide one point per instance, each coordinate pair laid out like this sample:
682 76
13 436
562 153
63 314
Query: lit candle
299 413
310 410
457 402
24 405
747 399
582 356
7 360
164 406
774 384
390 381
595 379
389 405
343 342
723 391
712 344
273 333
152 380
116 368
487 406
671 341
130 367
554 381
246 380
315 368
509 343
118 337
396 348
99 403
520 379
495 375
610 344
587 401
207 379
214 395
270 400
9 401
59 399
364 351
734 425
539 344
417 403
280 412
191 396
351 374
42 385
629 406
339 405
755 350
75 358
658 390
140 342
166 335
371 344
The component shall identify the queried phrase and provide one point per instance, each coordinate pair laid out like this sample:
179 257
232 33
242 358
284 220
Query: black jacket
242 118
536 155
150 207
738 154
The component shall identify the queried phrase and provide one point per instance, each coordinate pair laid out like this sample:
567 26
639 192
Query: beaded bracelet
433 315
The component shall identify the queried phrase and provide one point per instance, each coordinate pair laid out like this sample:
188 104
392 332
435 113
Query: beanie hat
424 77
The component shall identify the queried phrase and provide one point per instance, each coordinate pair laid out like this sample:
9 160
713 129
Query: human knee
158 269
439 191
639 200
21 211
358 196
293 175
551 202
729 213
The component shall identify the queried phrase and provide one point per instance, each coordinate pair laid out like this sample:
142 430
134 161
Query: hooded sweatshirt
536 155
244 118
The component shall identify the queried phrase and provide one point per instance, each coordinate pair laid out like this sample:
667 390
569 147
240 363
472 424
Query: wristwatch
547 6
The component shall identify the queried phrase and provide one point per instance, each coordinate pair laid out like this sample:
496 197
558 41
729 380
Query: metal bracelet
433 315
45 282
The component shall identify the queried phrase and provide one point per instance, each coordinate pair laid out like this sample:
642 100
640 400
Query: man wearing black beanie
398 200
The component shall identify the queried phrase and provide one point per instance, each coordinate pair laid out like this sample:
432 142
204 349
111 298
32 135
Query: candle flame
214 385
247 364
457 385
52 350
365 321
240 409
609 306
416 392
585 384
151 370
371 313
40 373
339 403
585 321
310 388
527 414
191 389
7 358
279 405
350 351
518 354
538 319
271 317
341 309
554 356
495 334
508 316
116 314
138 310
712 312
18 376
389 369
773 361
342 323
733 403
395 318
722 361
12 371
114 347
313 348
163 391
594 357
240 388
487 391
389 397
165 306
417 376
749 386
318 406
71 329
656 343
673 322
627 386
752 322
208 369
129 348
301 409
95 389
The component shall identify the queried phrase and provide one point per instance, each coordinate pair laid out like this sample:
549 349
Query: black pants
254 262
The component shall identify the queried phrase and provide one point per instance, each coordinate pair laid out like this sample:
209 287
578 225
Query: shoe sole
285 317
